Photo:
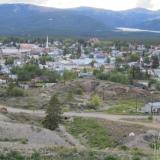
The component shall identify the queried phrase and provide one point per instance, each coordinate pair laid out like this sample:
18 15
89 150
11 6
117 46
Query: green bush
150 118
96 101
17 92
30 71
136 158
78 91
69 75
9 61
134 57
11 156
155 145
119 78
70 96
14 91
158 85
35 156
111 158
114 76
124 148
24 141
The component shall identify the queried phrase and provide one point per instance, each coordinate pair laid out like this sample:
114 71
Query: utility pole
152 103
156 147
103 93
136 103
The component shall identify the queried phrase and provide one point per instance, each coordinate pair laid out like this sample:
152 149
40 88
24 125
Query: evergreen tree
155 62
54 114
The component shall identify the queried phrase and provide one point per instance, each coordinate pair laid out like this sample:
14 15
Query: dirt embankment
25 137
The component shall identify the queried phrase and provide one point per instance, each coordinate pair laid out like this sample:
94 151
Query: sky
106 4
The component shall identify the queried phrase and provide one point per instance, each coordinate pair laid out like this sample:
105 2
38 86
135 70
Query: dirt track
116 118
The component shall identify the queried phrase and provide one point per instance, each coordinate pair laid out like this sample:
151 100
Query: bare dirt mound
92 85
28 137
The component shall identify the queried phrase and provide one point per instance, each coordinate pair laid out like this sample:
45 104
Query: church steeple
47 46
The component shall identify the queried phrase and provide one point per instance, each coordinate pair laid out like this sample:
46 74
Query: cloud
23 1
107 4
145 4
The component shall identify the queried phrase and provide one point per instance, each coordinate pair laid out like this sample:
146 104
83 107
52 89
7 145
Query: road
138 120
39 113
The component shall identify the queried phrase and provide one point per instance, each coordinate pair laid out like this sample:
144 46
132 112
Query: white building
151 108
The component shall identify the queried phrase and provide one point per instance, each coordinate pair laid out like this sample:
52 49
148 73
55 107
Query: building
151 108
86 75
13 52
27 46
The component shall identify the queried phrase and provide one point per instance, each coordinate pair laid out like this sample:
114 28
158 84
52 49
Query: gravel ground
29 137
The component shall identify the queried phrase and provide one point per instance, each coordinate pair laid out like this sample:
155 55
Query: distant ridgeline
23 19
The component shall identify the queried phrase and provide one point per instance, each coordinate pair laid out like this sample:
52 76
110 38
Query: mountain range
25 19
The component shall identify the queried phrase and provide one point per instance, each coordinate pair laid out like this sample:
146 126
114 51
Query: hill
24 19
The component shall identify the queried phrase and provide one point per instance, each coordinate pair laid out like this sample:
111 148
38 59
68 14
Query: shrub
95 101
9 61
119 78
111 158
30 71
150 118
134 57
35 156
12 90
11 156
114 76
69 75
155 144
79 91
125 148
70 96
158 85
17 92
136 158
24 141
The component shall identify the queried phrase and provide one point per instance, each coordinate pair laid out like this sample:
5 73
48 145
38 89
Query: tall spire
47 46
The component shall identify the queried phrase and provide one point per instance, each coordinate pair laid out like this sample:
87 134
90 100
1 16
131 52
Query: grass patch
125 107
23 141
13 155
90 132
9 140
69 155
25 118
155 144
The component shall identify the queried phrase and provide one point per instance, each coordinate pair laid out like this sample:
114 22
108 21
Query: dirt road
117 118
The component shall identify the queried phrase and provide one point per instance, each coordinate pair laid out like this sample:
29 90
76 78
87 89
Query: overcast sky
107 4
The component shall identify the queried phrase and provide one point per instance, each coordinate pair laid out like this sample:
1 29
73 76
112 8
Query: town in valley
79 80
116 82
